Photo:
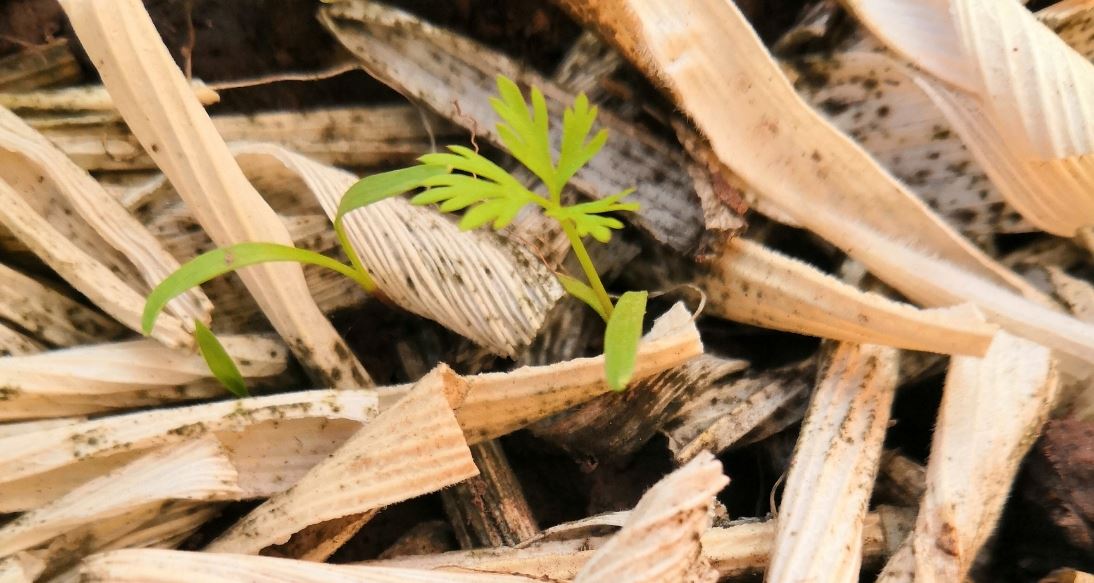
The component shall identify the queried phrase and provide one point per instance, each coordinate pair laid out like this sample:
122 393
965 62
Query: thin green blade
621 339
217 262
377 187
581 291
220 362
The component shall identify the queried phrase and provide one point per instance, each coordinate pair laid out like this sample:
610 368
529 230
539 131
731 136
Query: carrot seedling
463 180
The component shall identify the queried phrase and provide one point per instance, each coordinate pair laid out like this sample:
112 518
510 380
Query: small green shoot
623 329
462 180
219 361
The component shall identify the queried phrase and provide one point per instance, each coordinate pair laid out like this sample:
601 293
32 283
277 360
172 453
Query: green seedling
463 180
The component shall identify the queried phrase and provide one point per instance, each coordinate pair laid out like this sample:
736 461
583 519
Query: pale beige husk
192 470
89 98
102 377
1020 97
455 76
765 133
33 453
660 539
152 95
49 315
731 413
753 284
992 410
343 136
64 216
831 476
413 448
15 343
162 566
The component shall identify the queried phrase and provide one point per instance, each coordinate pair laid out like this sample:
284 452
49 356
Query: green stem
361 274
587 267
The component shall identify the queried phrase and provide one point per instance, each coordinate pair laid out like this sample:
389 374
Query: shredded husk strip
40 451
137 372
660 539
454 76
15 343
723 415
89 98
156 102
192 470
752 284
413 448
49 315
345 136
835 463
163 566
992 410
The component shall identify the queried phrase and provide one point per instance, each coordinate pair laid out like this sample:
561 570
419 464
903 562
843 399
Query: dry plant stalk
752 284
737 550
490 510
49 315
832 473
997 73
763 131
164 566
155 100
192 470
84 99
102 377
729 413
346 136
992 410
660 539
413 448
42 66
455 76
66 218
474 283
33 453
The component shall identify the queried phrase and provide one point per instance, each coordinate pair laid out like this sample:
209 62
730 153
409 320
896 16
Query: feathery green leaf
217 262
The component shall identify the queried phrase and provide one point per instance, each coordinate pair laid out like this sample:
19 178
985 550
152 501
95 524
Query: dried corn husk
873 99
454 76
160 566
616 425
752 284
15 343
36 452
49 315
726 414
1033 139
344 136
22 567
992 410
660 540
66 218
89 98
832 473
493 292
192 470
40 66
413 448
153 97
269 457
737 550
766 134
125 374
499 403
